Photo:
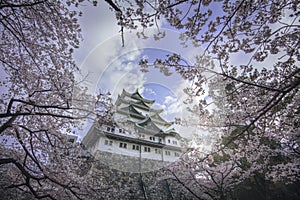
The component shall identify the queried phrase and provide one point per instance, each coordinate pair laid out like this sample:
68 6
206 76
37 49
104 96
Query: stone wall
129 163
121 174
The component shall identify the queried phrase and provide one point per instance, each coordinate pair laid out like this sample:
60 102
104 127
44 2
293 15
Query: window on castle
121 130
176 154
174 142
123 145
72 140
152 138
169 141
147 149
135 147
108 142
110 129
157 151
168 153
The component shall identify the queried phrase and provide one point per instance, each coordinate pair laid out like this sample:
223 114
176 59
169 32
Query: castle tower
137 135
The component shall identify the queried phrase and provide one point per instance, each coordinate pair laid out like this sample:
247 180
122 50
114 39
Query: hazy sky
107 65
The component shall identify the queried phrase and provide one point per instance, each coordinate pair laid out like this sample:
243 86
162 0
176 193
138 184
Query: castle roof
131 111
136 95
147 119
170 132
158 119
148 125
138 104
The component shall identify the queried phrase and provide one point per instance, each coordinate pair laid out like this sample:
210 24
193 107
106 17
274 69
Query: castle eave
134 140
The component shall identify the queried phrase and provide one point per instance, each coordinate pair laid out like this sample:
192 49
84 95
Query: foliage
41 101
254 101
249 58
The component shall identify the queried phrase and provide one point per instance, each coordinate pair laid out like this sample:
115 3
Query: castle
138 137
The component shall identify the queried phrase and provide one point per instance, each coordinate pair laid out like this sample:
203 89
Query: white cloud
160 106
95 31
106 62
169 99
149 91
146 57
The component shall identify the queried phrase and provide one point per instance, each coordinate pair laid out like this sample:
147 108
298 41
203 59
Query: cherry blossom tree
41 101
249 59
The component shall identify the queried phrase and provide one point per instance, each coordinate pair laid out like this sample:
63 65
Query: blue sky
125 73
107 65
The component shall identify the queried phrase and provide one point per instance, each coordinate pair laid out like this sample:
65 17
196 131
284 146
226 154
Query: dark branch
11 5
113 5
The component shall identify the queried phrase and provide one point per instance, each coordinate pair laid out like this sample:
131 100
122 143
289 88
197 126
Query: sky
108 66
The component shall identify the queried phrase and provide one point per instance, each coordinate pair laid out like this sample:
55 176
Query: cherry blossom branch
120 13
7 124
34 105
224 26
268 106
27 153
185 186
5 115
178 66
27 177
250 83
11 5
